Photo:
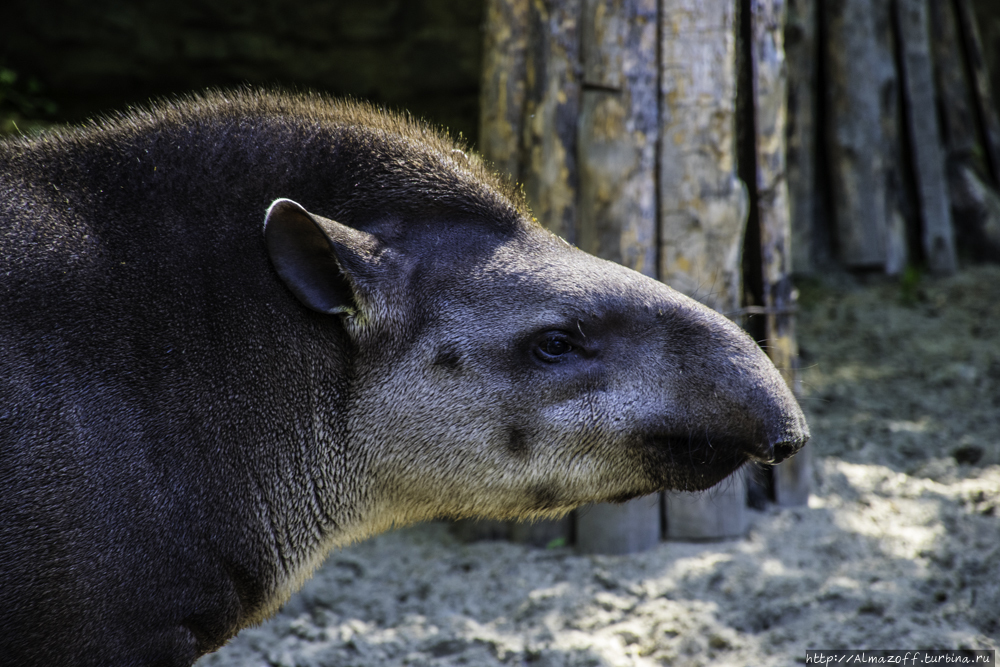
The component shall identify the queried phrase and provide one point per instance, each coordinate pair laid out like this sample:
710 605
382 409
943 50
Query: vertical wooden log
937 234
503 86
988 118
802 64
619 529
552 108
958 118
617 203
617 133
767 55
716 514
861 105
703 204
973 203
769 102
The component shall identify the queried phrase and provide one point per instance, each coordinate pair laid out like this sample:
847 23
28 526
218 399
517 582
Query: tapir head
504 373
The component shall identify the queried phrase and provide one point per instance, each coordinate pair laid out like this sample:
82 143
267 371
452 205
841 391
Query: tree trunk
618 129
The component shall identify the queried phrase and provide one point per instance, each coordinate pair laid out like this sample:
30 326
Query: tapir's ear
318 259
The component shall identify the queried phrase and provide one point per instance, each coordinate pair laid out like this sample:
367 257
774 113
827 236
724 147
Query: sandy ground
898 548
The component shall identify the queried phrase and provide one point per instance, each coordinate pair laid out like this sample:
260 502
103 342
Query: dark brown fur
193 413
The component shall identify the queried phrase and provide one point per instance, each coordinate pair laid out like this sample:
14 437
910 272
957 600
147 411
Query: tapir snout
730 404
724 402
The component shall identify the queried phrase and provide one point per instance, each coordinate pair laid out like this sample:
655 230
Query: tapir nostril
776 453
783 450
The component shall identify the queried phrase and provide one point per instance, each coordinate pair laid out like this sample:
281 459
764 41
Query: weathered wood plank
861 104
603 43
616 151
703 205
617 136
990 121
975 214
958 118
802 64
503 84
716 514
619 529
552 109
937 234
770 85
769 102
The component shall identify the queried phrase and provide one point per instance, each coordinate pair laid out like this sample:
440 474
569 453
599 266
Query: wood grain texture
770 79
503 85
617 135
552 109
703 205
937 235
862 109
801 63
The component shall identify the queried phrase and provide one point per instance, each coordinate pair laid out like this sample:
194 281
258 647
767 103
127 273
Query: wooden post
958 118
802 64
861 104
767 58
504 84
925 140
703 205
988 119
551 113
616 150
716 514
618 133
619 529
975 214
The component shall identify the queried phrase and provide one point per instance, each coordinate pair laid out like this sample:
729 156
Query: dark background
93 57
87 58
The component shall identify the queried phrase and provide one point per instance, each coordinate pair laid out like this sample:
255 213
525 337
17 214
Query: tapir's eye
552 346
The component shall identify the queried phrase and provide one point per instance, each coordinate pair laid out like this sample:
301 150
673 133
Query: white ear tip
285 203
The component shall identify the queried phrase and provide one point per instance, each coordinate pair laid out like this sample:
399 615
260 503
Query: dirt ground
898 548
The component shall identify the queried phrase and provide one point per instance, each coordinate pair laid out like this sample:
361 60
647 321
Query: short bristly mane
398 148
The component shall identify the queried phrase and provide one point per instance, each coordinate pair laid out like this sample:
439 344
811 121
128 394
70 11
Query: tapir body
239 330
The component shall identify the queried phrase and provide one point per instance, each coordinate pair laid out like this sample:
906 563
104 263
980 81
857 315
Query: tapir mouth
696 461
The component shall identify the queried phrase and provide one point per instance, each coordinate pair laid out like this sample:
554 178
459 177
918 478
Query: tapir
241 329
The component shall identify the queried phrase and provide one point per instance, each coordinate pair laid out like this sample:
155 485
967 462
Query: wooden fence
720 145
